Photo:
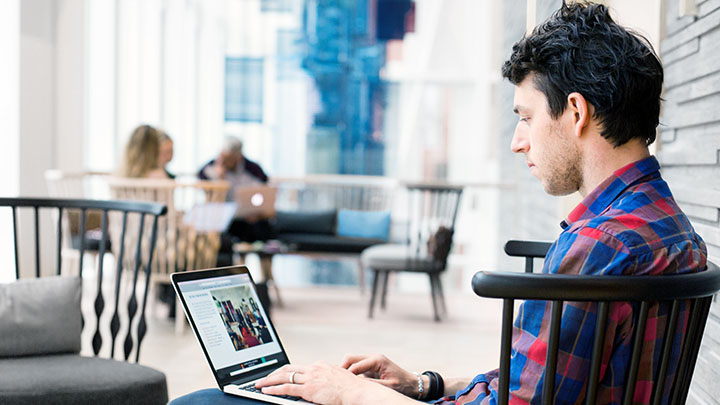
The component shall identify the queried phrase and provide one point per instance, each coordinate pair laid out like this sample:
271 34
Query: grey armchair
41 321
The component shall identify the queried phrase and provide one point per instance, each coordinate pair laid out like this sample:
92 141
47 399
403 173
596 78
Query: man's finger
294 390
281 376
351 359
363 366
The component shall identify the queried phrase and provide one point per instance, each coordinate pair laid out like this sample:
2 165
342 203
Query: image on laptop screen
232 326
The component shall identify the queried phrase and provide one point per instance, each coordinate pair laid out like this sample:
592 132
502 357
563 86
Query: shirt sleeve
478 392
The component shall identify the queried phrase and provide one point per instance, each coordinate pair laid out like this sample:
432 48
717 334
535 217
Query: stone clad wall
689 150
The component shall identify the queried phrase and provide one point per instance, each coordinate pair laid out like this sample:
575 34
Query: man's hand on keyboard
323 383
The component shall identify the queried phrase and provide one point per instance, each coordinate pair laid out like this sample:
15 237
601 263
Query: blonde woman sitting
142 154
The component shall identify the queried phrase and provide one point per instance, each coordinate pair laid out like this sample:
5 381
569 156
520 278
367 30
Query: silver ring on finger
292 377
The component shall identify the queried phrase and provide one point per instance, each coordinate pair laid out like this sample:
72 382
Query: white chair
78 185
181 244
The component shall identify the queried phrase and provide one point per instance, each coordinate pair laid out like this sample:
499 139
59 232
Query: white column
37 94
52 108
10 117
71 62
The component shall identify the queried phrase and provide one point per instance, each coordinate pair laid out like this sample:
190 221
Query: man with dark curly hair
587 93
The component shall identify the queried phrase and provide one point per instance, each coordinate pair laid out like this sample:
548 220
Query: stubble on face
563 164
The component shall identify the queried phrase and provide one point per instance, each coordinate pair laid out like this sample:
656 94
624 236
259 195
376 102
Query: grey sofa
317 231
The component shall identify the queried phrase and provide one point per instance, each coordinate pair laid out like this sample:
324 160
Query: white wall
9 116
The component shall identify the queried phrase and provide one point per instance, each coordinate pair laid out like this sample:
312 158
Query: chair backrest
432 210
180 244
697 288
527 249
77 185
146 213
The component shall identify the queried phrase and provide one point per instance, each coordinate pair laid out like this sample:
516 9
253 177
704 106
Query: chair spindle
704 308
37 241
99 299
132 303
115 321
15 243
598 343
638 338
505 346
670 329
685 352
552 352
83 229
142 326
59 242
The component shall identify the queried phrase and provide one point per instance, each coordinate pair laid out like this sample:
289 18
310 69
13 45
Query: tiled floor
325 323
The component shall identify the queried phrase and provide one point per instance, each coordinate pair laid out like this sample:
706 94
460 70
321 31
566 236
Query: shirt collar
603 195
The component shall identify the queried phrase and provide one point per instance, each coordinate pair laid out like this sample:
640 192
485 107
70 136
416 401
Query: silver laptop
255 201
233 329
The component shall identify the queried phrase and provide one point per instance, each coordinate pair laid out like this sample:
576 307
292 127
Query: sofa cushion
317 222
364 224
309 242
40 316
74 379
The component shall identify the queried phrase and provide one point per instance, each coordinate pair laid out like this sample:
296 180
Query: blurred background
398 88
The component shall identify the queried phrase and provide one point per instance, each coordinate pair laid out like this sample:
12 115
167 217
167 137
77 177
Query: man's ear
581 113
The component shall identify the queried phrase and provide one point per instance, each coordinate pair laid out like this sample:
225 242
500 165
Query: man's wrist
421 384
426 384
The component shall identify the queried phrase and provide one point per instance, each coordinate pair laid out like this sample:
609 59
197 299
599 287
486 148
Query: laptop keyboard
251 388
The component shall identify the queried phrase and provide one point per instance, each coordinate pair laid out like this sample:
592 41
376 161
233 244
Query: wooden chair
432 211
181 244
44 370
696 289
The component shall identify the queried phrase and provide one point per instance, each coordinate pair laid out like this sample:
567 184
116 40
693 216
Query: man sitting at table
232 166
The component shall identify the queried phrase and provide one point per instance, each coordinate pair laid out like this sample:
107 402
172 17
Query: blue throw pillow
364 224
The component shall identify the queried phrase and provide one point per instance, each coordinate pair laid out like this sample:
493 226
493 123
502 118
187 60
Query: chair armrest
526 248
564 287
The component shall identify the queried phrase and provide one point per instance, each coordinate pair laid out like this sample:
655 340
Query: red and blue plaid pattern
629 225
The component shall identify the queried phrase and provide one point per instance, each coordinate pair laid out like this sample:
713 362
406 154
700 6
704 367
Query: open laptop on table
233 329
258 201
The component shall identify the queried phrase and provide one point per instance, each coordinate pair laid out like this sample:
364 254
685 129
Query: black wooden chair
530 250
695 288
432 211
42 321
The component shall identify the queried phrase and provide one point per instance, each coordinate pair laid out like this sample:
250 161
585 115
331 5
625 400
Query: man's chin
556 191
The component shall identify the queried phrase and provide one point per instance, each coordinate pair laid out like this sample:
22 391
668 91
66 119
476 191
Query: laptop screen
232 325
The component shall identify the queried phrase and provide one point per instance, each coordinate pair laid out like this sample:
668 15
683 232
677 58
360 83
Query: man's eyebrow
518 108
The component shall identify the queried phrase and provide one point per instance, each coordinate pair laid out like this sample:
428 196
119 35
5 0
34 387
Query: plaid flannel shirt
629 225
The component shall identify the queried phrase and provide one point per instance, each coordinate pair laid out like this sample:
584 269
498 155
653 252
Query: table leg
266 267
238 258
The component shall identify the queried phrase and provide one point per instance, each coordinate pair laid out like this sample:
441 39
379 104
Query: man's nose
520 143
